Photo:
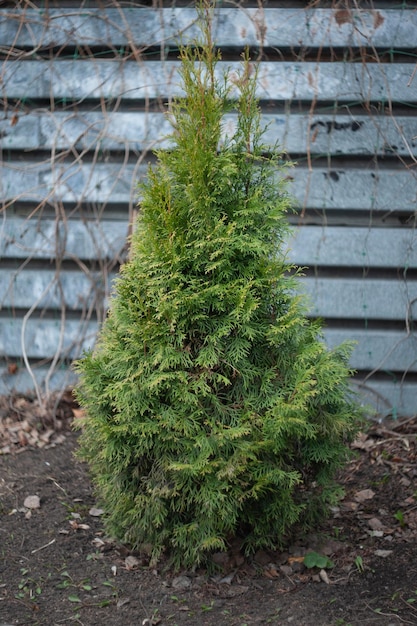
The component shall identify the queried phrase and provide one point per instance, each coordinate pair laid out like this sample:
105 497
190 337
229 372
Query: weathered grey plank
22 382
316 134
389 398
353 189
354 247
365 299
392 351
70 289
382 350
329 297
34 29
81 79
46 338
73 239
329 246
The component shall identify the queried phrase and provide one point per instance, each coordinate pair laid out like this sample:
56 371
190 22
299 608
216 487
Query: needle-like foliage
214 409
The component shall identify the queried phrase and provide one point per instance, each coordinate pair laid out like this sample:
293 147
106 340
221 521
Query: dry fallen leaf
383 553
99 543
364 494
271 572
131 562
46 436
362 442
32 502
23 440
181 582
375 524
77 526
349 506
296 559
94 512
324 577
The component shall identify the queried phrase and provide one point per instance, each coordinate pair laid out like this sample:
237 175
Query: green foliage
313 559
213 407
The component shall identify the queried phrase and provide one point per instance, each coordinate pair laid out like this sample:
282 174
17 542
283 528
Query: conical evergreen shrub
214 409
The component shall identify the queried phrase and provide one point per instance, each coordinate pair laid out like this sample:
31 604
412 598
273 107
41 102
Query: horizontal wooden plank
71 239
391 399
81 79
69 289
364 299
44 338
386 398
346 298
107 240
380 350
353 189
354 247
313 28
295 133
59 379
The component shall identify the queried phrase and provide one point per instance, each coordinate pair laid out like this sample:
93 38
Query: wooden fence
85 87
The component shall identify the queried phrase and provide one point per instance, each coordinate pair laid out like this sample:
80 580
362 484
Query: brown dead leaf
271 572
375 524
296 559
406 482
379 19
363 442
349 506
77 526
363 495
20 403
131 563
343 16
23 440
25 426
45 437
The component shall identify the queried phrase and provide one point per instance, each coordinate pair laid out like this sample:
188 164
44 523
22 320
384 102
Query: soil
57 566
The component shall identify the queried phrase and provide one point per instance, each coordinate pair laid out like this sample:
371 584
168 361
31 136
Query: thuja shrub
213 408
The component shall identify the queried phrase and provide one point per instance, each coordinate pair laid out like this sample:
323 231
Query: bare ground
58 567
